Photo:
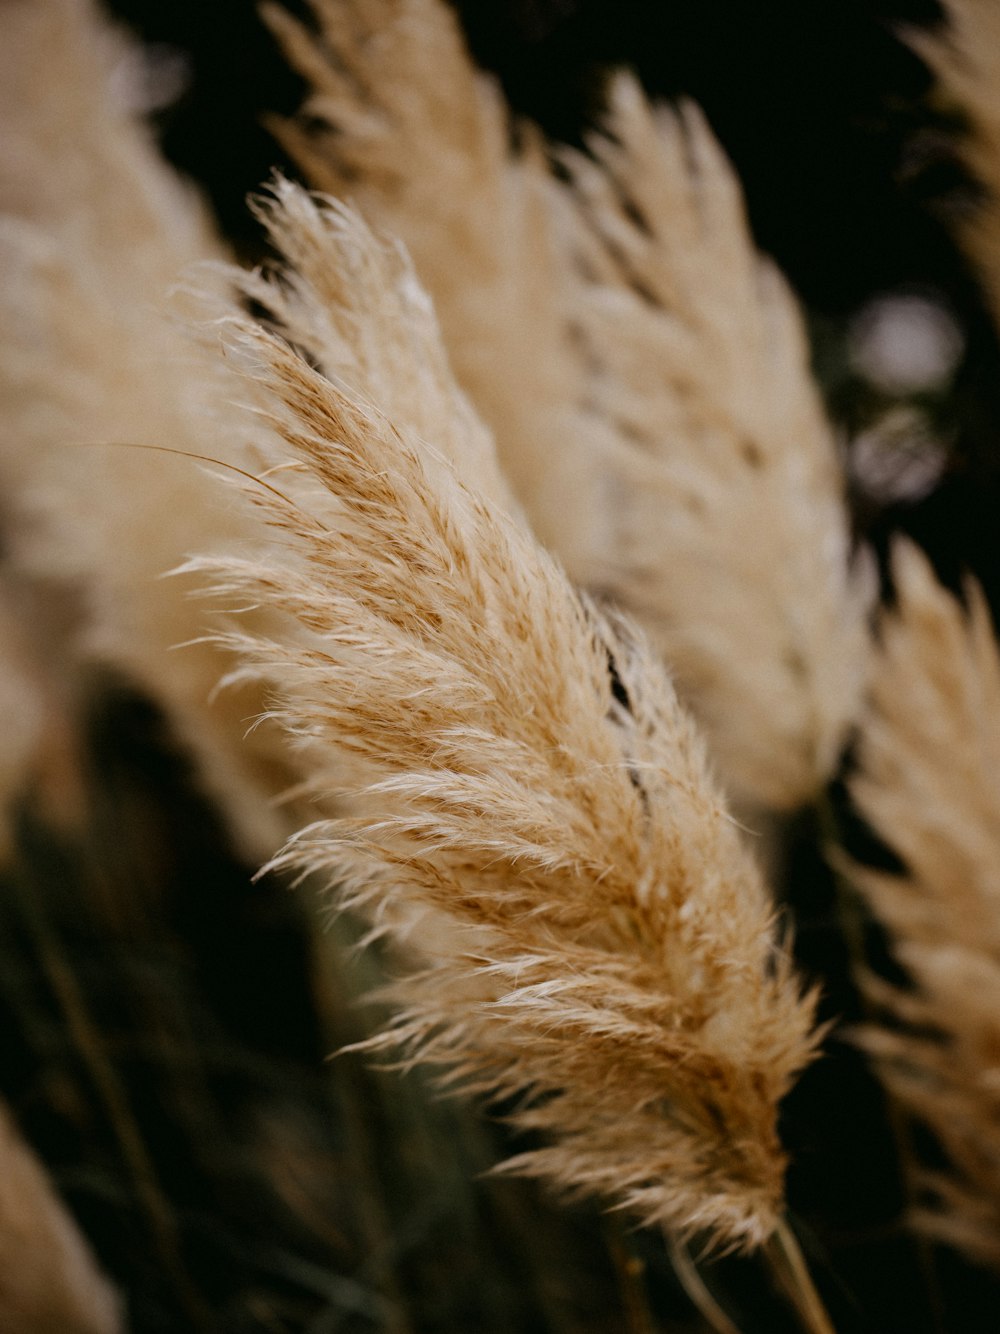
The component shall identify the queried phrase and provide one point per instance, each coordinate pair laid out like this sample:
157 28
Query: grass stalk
695 1288
788 1266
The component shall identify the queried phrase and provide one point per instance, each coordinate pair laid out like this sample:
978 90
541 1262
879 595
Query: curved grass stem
694 1286
789 1268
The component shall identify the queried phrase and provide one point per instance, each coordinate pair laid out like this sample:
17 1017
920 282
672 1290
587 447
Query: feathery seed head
730 477
95 365
929 757
595 939
644 371
965 55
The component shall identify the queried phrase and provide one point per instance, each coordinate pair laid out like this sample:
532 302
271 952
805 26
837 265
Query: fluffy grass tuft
523 795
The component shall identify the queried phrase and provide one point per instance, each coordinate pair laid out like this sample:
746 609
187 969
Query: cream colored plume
49 1280
597 941
965 55
94 362
399 122
644 370
95 230
929 785
733 537
351 301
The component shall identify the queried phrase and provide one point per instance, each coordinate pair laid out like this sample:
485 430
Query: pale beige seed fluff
644 369
351 300
49 1279
597 940
94 352
929 762
95 231
400 123
965 55
733 541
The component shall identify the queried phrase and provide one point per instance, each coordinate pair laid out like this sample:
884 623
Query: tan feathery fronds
49 1279
965 55
644 369
351 301
732 538
399 121
602 947
93 353
928 785
95 229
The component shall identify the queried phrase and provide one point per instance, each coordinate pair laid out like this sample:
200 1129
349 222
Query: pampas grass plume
929 759
644 370
95 232
732 544
519 786
965 55
399 121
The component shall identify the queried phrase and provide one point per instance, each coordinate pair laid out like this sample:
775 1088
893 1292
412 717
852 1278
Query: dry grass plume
517 769
95 233
929 759
732 542
644 370
965 56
